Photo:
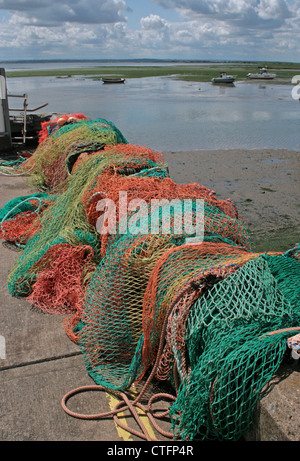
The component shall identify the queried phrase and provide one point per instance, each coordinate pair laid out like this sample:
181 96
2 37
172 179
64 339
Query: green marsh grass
192 72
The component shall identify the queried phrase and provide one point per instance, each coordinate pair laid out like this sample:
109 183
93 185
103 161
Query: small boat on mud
223 78
113 80
263 74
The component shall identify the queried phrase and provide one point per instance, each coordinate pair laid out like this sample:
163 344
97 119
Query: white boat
263 74
223 78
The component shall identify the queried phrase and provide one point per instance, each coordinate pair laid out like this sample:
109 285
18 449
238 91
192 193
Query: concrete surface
41 365
277 417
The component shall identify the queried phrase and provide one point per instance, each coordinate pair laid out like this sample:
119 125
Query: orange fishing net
22 219
220 215
20 228
60 284
48 128
175 269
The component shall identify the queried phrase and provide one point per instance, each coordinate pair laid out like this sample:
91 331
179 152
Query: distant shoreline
150 60
198 71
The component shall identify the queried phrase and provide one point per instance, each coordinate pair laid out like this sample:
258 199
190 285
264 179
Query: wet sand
264 184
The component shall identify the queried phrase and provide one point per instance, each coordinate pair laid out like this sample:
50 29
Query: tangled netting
210 316
52 161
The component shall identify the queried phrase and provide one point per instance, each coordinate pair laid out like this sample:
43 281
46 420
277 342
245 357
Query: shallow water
168 114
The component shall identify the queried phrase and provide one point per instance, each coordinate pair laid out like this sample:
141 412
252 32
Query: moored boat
223 78
263 74
113 80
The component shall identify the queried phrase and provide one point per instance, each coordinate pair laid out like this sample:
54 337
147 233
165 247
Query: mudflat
264 184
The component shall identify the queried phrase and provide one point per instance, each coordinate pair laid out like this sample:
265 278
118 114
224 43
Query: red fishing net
60 284
47 128
220 218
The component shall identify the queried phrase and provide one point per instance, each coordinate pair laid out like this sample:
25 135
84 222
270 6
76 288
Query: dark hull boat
113 80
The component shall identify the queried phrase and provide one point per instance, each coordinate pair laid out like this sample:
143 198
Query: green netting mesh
156 172
20 204
65 220
286 272
111 338
230 356
20 217
99 124
48 165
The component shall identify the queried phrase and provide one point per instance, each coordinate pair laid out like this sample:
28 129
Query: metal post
25 119
5 131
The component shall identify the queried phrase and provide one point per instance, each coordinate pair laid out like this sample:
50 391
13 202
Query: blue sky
166 29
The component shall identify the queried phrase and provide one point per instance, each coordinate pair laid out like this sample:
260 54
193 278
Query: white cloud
238 29
203 29
273 9
154 22
57 12
253 13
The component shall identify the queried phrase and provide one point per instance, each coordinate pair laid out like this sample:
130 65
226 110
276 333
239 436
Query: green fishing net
21 204
116 296
229 352
48 166
65 221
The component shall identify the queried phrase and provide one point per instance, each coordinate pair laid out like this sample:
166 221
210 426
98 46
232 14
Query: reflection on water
168 114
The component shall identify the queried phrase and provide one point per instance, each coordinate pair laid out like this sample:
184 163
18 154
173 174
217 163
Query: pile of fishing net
211 317
52 161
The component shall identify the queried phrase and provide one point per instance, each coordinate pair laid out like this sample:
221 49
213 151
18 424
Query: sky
265 30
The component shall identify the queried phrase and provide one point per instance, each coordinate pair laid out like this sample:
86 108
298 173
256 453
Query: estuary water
168 114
